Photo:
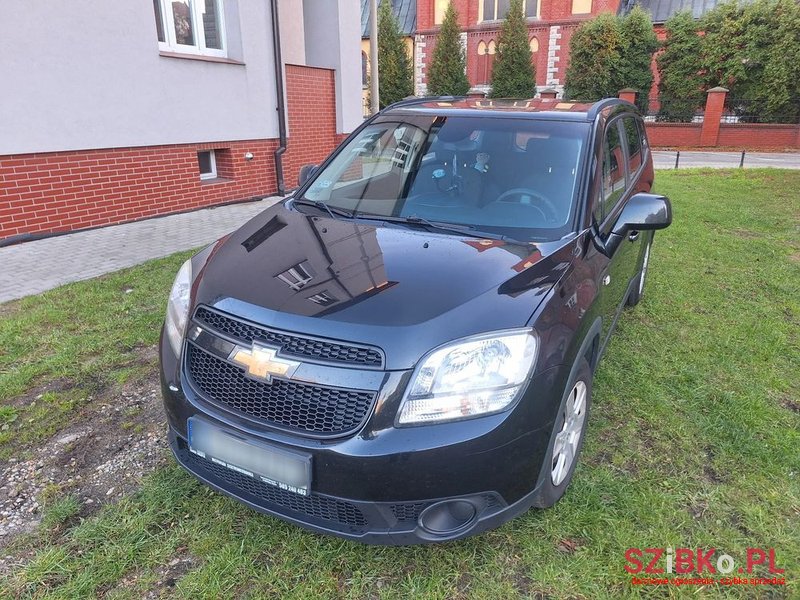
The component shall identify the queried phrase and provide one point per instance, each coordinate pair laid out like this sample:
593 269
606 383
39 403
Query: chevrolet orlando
402 350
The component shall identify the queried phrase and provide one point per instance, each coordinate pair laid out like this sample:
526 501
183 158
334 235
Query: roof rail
603 104
411 100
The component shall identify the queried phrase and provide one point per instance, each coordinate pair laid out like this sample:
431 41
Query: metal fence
739 110
673 110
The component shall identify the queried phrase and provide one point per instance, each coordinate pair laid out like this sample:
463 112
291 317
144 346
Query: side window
634 137
613 173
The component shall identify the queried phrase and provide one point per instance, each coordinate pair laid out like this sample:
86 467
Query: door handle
633 236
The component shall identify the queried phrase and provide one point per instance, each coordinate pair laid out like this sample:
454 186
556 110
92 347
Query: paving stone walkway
36 266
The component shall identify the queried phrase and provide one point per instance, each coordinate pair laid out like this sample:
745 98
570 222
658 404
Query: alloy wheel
567 440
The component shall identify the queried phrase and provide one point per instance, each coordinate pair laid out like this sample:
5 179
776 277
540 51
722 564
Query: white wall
290 19
77 74
333 40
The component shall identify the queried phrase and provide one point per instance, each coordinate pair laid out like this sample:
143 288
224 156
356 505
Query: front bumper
375 485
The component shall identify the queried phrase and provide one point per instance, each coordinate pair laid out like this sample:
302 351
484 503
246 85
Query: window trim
627 150
199 49
610 217
211 174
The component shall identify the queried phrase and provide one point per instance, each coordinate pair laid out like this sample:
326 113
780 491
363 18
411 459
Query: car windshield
508 176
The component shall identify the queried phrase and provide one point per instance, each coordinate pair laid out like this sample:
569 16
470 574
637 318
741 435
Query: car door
615 189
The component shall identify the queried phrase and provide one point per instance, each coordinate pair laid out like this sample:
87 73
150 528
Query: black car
402 351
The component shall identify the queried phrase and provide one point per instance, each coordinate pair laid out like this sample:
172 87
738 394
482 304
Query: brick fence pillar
548 94
715 106
628 94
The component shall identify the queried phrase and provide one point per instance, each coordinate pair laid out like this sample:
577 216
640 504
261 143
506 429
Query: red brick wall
758 137
311 115
63 191
673 135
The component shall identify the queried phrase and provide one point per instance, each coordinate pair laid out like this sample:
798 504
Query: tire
556 473
638 290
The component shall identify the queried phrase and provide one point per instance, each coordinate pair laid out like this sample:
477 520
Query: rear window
505 175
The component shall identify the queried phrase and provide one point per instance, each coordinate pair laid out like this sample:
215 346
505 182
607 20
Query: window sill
215 180
200 57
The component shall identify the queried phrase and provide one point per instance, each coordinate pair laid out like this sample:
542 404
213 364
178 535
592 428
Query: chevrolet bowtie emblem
262 362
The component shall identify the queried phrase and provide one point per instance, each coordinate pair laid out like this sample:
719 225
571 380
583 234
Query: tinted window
634 137
613 173
511 176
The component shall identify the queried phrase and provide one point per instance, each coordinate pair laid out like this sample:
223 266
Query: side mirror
306 171
642 212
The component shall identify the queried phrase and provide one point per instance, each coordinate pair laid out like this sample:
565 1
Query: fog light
448 517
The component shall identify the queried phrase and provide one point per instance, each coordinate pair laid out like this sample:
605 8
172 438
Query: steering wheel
518 194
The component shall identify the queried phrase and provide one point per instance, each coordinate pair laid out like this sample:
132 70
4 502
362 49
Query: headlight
468 378
178 307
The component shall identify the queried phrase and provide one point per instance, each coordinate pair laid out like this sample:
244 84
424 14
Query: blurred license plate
275 466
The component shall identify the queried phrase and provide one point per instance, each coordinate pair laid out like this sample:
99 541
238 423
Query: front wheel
638 291
566 440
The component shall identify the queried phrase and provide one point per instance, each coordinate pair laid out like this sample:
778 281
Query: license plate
284 469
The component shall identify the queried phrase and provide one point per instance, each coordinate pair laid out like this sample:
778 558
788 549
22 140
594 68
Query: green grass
693 439
61 347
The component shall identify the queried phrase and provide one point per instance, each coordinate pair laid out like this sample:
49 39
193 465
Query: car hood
373 282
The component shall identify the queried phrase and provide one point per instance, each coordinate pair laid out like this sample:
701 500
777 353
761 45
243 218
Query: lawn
694 440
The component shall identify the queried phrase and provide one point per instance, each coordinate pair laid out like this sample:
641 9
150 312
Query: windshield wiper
334 212
468 230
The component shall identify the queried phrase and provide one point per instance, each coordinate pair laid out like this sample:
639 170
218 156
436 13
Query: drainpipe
276 47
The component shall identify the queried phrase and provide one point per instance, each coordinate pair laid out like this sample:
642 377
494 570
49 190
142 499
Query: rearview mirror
642 212
306 171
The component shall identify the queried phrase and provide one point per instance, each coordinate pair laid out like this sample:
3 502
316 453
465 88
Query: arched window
491 53
483 62
364 75
534 44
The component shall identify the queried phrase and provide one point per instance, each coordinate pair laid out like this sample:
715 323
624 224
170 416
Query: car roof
533 108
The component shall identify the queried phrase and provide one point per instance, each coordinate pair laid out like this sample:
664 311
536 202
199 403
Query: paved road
665 159
36 266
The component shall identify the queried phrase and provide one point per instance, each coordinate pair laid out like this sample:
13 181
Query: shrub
596 59
513 75
395 74
447 72
680 89
639 44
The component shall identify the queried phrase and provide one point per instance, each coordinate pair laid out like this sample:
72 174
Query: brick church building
551 24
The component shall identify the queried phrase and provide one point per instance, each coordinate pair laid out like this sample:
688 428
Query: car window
513 176
634 138
613 173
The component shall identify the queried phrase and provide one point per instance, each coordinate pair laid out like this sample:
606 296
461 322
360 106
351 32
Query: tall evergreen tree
639 44
680 89
596 59
395 74
514 75
447 72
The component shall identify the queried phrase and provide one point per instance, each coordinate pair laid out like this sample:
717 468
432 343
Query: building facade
116 111
550 26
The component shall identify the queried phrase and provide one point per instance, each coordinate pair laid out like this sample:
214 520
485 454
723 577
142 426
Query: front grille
271 497
290 344
409 512
298 406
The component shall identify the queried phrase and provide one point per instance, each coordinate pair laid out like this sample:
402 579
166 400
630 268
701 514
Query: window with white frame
207 162
191 26
494 10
